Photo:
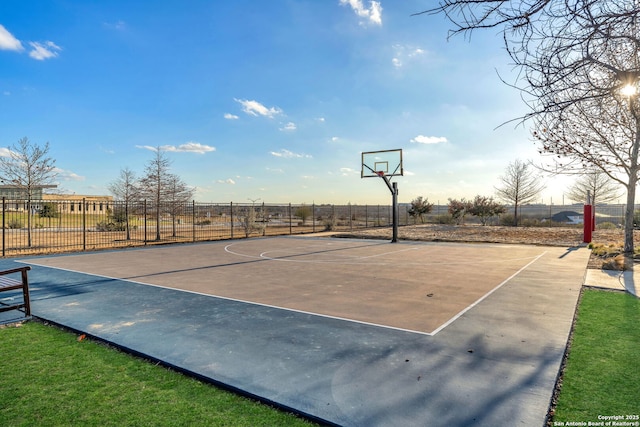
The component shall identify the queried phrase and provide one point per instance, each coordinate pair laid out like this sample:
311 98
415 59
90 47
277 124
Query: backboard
381 163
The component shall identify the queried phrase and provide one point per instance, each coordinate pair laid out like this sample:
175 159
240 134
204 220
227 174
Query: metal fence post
145 221
193 219
290 221
3 225
231 209
84 224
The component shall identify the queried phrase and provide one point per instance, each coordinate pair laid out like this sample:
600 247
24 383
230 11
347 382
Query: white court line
336 260
433 333
355 259
482 298
308 313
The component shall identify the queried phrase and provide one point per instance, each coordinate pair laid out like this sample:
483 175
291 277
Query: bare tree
601 188
520 185
155 183
126 190
29 168
578 64
178 194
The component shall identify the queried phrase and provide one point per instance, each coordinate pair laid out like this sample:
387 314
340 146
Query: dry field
551 236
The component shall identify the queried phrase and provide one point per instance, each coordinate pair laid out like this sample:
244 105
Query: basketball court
417 287
347 332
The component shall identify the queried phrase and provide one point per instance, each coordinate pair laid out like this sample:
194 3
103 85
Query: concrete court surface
353 345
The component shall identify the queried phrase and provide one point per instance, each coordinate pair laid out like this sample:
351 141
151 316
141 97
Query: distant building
568 217
76 204
16 192
15 197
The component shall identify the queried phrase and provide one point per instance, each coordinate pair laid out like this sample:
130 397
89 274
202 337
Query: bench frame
10 284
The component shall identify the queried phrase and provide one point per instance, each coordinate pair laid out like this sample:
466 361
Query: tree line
519 185
28 168
577 68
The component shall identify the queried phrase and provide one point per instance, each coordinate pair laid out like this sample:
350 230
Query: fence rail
45 226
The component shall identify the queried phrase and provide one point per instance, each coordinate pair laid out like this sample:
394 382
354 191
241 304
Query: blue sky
260 100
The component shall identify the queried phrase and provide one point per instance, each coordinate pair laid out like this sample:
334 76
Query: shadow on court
351 333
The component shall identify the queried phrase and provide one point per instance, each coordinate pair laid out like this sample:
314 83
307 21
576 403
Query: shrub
458 209
14 224
109 226
49 210
204 222
303 212
531 222
329 223
508 220
607 226
485 207
618 262
419 208
444 219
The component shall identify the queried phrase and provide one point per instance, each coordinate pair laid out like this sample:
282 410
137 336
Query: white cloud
65 175
334 139
230 116
44 51
348 172
117 26
5 152
320 119
286 154
226 181
275 170
8 41
373 13
289 127
189 147
254 108
106 150
403 54
147 147
421 139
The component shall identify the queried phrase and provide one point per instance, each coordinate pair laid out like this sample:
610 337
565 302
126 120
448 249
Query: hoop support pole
393 187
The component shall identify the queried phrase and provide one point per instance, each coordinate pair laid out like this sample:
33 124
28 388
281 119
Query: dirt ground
552 236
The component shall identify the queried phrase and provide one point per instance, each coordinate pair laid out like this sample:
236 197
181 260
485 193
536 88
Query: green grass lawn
601 375
48 377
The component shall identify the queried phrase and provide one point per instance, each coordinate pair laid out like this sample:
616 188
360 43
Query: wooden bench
11 284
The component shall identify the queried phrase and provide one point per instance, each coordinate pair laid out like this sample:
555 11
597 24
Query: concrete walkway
610 279
495 365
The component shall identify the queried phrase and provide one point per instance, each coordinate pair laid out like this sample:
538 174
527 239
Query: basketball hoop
385 164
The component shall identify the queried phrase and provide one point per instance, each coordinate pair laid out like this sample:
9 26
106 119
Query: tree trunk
126 219
628 216
631 192
29 222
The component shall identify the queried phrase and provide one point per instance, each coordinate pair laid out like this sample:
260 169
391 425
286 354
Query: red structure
588 222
